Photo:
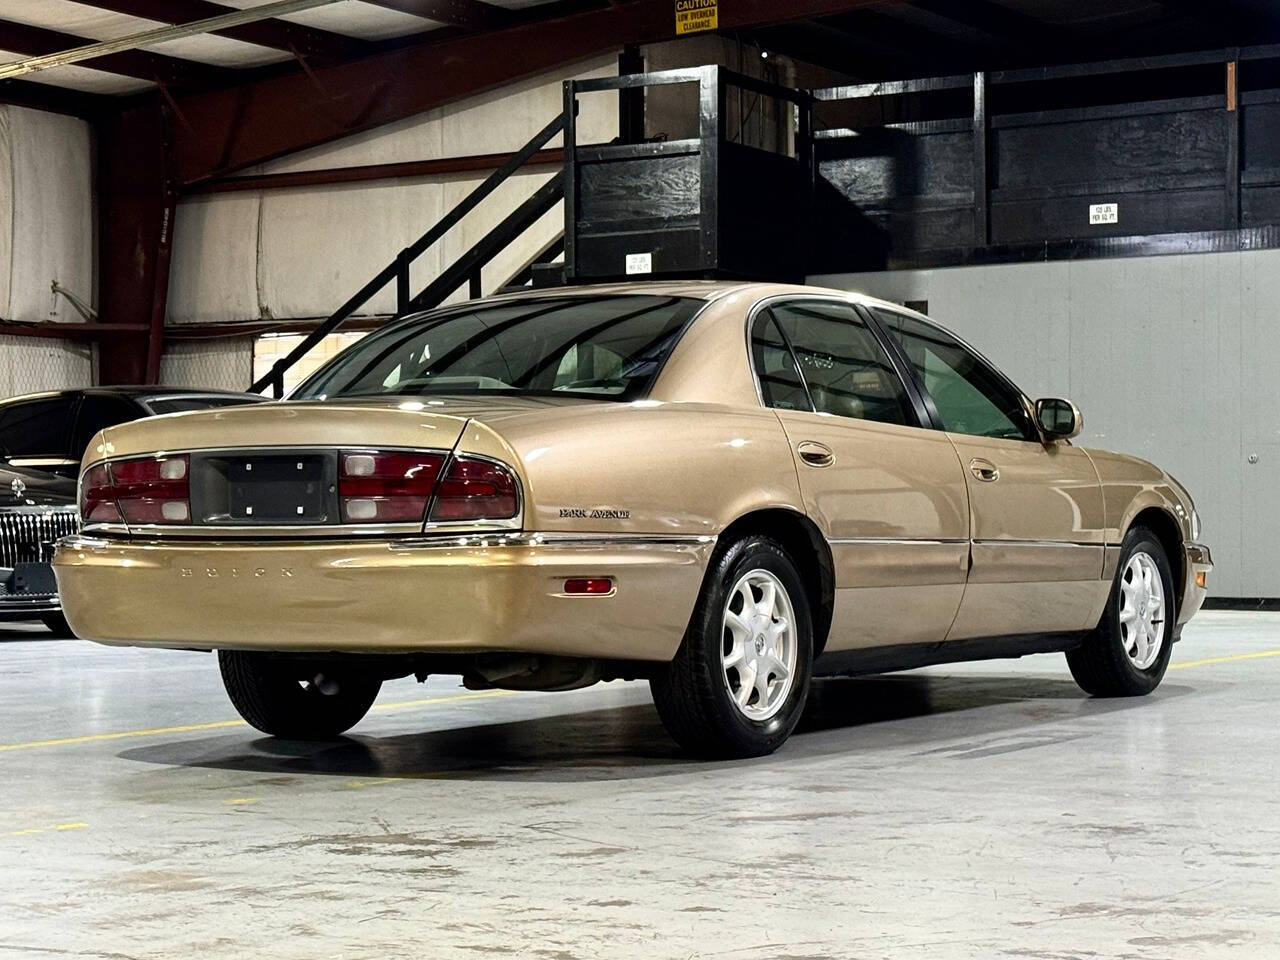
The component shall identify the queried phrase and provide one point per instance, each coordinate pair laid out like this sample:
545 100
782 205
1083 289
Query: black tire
1101 665
283 699
58 626
692 694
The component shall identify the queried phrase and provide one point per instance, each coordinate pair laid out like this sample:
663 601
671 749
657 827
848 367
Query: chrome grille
25 532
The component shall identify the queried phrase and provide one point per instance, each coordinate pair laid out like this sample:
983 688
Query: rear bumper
1198 565
472 594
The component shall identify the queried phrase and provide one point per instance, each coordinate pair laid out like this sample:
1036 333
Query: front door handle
984 470
815 454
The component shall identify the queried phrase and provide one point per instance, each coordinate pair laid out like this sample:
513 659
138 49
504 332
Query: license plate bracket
253 489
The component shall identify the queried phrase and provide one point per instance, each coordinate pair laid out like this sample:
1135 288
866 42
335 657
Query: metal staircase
466 269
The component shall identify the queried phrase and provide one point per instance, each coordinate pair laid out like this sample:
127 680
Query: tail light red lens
387 487
97 497
475 490
144 490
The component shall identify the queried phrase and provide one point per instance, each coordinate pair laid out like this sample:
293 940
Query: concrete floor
983 811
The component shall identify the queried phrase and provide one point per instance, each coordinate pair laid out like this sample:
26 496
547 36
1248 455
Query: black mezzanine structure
712 205
1149 156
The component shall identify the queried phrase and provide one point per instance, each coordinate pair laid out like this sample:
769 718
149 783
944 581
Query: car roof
697 289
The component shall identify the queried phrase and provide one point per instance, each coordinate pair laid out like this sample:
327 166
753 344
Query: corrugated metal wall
300 253
1175 359
46 234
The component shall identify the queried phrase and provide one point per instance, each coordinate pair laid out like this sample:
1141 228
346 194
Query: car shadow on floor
966 716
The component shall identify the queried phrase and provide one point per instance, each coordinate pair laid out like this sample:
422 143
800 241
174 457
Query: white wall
224 363
1175 359
298 253
46 234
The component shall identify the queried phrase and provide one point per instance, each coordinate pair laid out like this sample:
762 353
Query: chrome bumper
472 594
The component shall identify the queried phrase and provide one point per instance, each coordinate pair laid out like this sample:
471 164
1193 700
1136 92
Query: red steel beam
45 96
228 130
135 210
329 176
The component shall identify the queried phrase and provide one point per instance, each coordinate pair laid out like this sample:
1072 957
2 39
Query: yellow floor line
223 724
429 701
1212 660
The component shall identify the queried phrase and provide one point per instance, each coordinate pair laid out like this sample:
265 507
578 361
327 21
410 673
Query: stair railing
466 269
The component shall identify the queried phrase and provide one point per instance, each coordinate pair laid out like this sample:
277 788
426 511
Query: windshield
607 347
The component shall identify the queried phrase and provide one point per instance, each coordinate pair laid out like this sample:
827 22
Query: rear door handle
984 470
815 454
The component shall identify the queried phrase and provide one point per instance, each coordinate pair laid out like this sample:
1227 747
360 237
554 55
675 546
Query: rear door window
847 371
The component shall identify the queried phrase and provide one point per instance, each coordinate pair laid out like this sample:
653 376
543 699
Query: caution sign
694 16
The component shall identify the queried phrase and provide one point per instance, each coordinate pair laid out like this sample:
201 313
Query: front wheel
1128 652
739 681
287 699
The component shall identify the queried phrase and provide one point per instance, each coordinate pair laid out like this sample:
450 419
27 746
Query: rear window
606 347
159 405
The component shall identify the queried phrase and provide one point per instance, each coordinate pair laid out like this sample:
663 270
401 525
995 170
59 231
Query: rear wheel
292 700
1128 653
739 681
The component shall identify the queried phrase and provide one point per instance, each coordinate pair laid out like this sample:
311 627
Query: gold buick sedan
725 489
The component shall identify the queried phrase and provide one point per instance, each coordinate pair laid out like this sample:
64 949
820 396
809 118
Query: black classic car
42 438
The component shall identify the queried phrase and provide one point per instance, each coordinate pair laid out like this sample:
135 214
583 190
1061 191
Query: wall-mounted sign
639 263
694 16
1104 213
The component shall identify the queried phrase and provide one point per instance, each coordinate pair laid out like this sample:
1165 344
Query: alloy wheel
759 644
1142 610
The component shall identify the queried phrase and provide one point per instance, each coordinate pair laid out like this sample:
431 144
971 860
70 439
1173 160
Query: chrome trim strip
497 538
551 539
1038 543
892 542
39 510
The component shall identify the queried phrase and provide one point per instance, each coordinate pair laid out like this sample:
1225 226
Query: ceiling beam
227 130
1227 22
45 96
996 21
147 38
468 14
919 52
39 42
273 33
827 47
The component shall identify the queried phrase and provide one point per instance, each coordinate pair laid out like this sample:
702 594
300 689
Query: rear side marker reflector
589 586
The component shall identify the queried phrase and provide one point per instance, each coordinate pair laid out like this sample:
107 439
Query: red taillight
475 490
143 490
387 487
97 498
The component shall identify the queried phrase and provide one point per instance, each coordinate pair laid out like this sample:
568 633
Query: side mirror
1058 419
